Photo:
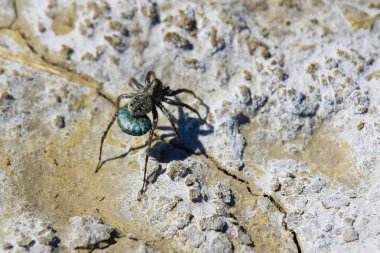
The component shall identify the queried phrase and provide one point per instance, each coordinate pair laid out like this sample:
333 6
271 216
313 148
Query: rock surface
286 160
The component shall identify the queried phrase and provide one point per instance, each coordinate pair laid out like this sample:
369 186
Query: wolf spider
132 117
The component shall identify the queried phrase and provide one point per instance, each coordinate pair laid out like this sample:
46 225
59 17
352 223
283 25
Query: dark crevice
275 203
230 215
295 239
282 210
103 244
250 191
30 46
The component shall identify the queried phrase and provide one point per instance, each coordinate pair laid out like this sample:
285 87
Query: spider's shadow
124 154
190 129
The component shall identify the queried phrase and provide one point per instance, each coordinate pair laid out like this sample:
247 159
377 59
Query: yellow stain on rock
331 156
325 153
5 162
357 18
64 21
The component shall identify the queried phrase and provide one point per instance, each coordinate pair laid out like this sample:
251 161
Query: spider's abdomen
140 105
133 125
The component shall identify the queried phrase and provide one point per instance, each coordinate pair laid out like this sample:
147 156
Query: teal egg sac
131 125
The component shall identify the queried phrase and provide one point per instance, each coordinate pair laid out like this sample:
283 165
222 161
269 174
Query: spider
132 118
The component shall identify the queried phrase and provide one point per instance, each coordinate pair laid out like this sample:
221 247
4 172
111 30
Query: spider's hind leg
151 132
170 118
119 98
176 103
102 141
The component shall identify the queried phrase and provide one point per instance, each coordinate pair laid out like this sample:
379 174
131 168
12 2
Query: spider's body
140 105
132 119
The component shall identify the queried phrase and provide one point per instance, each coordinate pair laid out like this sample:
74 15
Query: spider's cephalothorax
142 103
132 118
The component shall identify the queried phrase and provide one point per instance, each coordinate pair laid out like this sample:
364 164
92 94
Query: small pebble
275 185
7 246
25 241
218 224
244 238
244 94
189 182
360 126
350 235
178 41
377 125
247 75
60 122
195 195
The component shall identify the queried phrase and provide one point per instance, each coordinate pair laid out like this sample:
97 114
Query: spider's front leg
109 127
150 76
122 96
155 120
135 84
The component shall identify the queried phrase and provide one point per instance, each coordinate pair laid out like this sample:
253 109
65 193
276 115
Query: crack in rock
282 210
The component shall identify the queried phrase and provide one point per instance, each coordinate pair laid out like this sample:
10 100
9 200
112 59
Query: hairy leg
102 141
150 76
120 97
100 164
170 118
135 84
155 120
176 103
171 93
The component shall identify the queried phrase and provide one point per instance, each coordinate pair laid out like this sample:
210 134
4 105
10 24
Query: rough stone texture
89 232
27 233
288 160
7 13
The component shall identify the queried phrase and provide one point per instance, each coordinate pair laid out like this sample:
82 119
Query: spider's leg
155 120
176 103
170 118
100 164
171 93
134 84
128 95
150 76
